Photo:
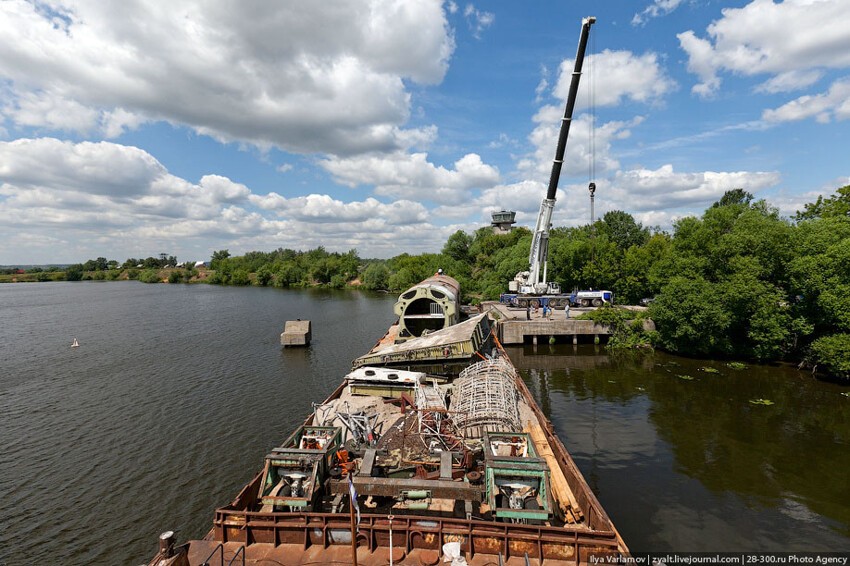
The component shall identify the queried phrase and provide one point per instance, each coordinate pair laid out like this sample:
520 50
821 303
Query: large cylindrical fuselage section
428 306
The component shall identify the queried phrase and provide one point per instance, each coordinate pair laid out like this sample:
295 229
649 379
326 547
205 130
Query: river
176 392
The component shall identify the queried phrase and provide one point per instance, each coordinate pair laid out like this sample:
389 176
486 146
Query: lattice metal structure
485 399
435 423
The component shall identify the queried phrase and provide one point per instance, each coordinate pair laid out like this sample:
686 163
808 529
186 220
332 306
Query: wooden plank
563 494
445 465
368 463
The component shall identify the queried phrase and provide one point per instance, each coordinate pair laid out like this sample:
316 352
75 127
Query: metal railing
240 550
220 549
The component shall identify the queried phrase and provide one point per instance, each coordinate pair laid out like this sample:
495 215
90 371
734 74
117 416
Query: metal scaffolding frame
434 419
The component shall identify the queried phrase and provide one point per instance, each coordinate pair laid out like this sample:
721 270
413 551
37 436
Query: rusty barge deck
435 458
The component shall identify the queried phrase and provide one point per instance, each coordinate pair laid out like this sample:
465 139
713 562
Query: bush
219 278
175 276
833 354
74 273
626 327
240 277
132 274
376 276
264 276
149 276
288 275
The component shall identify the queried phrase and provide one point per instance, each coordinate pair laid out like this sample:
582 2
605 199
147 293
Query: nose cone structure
428 306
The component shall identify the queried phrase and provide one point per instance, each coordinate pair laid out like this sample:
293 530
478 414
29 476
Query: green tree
218 257
74 272
734 197
288 275
820 274
838 205
149 276
99 264
637 265
264 276
376 276
690 318
403 279
457 246
622 229
240 277
832 353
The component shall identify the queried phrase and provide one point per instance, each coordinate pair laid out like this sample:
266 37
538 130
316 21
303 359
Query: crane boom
534 280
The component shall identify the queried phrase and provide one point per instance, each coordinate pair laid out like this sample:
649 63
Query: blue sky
134 128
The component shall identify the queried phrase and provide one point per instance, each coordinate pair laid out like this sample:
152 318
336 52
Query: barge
432 448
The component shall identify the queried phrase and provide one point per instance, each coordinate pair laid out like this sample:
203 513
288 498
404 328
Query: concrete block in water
296 333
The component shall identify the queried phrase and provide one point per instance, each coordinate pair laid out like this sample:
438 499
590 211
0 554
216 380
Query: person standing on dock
567 311
527 312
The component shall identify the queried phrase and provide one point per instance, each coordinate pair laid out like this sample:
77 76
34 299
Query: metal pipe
391 539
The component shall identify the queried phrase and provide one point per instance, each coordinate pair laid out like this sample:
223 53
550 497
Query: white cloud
95 198
582 147
413 176
310 77
324 209
97 168
826 107
504 141
42 109
478 20
662 219
789 204
654 10
543 85
626 76
790 81
765 37
664 189
524 196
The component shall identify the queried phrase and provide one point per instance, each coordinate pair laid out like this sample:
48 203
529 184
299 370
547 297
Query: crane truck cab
591 298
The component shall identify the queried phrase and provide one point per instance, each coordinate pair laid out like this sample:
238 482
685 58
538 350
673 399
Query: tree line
739 281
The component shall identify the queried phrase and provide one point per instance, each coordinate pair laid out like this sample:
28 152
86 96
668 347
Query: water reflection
682 460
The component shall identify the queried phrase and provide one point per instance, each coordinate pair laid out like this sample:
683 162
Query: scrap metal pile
410 442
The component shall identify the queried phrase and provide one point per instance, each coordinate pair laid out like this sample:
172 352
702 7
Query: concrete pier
515 325
296 333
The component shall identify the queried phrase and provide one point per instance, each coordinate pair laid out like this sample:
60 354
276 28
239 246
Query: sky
140 127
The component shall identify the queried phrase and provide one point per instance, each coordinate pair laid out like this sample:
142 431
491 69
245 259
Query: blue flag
353 494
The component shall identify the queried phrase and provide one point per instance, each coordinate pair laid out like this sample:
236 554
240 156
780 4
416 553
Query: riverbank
829 357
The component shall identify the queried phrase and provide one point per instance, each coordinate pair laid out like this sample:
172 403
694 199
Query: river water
176 392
